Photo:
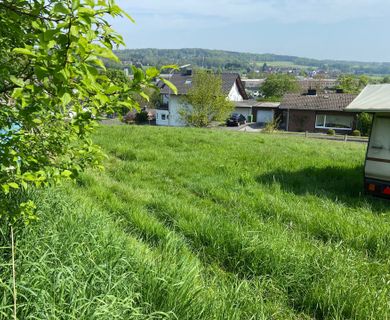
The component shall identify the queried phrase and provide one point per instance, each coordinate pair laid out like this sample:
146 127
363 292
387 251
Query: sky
321 29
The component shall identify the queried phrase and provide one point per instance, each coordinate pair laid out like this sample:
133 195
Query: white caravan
375 99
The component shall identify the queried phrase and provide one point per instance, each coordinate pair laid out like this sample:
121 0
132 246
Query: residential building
317 112
168 113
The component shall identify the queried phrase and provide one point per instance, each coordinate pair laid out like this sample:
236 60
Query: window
163 117
340 122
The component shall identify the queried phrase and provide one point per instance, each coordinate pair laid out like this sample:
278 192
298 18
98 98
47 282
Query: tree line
238 61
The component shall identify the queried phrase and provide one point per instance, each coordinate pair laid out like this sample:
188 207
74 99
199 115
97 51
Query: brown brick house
317 112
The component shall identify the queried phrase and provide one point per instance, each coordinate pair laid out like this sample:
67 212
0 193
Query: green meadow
201 224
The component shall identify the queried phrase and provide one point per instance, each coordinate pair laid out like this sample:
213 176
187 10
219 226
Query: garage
265 116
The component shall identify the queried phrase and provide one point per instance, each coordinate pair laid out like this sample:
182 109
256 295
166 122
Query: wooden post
306 134
345 138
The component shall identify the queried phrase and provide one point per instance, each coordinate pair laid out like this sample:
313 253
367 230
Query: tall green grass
199 224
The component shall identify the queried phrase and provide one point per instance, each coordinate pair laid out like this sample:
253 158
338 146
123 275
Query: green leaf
66 173
170 85
28 176
60 8
24 51
49 34
37 121
144 95
18 92
75 4
66 98
13 185
152 72
173 66
128 16
5 188
18 82
113 89
105 53
126 104
40 72
138 74
87 11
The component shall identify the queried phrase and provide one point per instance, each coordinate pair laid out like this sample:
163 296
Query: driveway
251 127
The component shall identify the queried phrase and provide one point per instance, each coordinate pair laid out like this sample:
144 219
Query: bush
356 133
331 132
364 122
141 117
271 126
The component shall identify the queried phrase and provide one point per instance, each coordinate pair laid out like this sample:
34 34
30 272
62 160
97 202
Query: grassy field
201 224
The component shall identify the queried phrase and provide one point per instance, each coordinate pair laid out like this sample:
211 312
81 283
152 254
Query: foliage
141 117
386 79
54 87
276 85
271 126
356 133
331 132
352 84
218 60
118 77
213 225
205 101
364 123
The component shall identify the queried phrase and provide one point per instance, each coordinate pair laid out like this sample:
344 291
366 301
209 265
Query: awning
374 98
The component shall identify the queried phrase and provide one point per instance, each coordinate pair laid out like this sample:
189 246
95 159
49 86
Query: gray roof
323 102
183 83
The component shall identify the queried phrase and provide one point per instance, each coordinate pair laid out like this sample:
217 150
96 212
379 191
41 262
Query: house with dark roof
314 112
168 113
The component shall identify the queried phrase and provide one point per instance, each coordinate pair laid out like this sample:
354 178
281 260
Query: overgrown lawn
199 224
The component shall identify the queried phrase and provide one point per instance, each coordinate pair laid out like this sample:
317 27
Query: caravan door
377 168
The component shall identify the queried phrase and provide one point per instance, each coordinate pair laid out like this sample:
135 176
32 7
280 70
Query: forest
242 62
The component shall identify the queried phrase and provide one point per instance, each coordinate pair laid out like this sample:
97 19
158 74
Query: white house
168 113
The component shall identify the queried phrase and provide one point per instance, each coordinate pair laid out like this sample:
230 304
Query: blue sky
327 29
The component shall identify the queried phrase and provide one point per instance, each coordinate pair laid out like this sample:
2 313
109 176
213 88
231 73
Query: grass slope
200 224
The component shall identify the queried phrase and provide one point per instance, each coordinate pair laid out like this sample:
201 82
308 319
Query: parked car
236 119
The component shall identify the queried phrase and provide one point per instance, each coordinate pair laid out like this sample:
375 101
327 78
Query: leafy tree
352 84
276 85
206 101
53 88
386 79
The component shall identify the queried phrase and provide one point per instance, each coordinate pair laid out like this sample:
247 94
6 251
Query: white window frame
324 127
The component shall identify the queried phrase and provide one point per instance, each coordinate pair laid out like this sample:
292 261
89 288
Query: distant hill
243 62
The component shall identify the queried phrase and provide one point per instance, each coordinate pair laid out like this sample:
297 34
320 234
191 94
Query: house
321 85
314 112
168 113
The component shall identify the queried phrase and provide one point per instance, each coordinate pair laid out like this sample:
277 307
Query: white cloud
206 13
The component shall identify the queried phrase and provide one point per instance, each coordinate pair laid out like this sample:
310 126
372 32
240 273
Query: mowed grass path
198 224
